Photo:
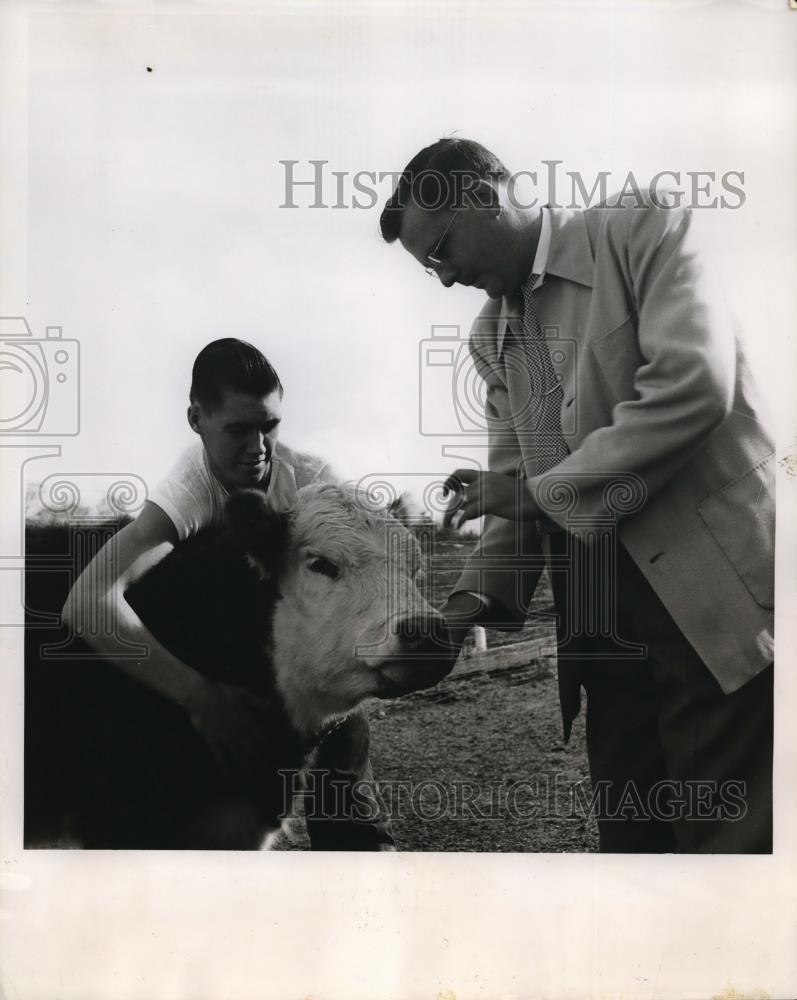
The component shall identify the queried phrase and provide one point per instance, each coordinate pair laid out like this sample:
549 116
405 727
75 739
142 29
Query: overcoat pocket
741 517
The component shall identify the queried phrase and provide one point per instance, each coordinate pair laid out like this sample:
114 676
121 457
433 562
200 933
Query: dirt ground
478 764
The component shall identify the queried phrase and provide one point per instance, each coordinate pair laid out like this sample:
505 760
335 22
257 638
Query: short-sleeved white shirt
193 498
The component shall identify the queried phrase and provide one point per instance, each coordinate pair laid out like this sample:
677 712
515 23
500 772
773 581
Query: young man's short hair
437 178
234 364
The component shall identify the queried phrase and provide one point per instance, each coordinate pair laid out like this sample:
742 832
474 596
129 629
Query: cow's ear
259 531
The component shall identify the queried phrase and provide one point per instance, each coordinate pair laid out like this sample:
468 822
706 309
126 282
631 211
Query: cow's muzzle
423 655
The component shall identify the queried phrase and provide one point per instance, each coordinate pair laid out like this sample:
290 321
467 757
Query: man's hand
233 724
461 612
478 493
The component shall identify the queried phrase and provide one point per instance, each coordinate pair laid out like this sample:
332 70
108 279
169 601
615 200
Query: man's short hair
439 177
231 364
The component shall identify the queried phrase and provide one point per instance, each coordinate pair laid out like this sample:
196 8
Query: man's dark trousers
676 764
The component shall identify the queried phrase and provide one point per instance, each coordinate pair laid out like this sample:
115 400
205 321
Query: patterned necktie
546 390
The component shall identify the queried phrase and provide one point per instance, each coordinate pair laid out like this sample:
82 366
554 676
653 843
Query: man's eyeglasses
433 258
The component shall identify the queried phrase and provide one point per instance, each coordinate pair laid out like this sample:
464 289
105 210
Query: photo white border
162 926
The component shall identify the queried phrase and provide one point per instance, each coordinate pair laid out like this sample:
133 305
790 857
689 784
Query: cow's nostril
423 629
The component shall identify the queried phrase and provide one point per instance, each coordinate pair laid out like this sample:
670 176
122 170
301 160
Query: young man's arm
223 716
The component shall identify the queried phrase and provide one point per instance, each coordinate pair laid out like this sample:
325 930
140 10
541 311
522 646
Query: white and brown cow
310 612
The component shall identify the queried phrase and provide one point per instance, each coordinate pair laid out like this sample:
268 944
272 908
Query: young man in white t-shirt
236 409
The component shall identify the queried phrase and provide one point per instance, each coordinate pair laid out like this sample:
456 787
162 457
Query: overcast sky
154 222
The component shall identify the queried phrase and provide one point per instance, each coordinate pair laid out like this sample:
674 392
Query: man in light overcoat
626 454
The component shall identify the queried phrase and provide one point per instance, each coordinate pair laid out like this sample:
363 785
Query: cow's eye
318 564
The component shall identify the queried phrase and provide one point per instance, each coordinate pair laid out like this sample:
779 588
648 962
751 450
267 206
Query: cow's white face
351 622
